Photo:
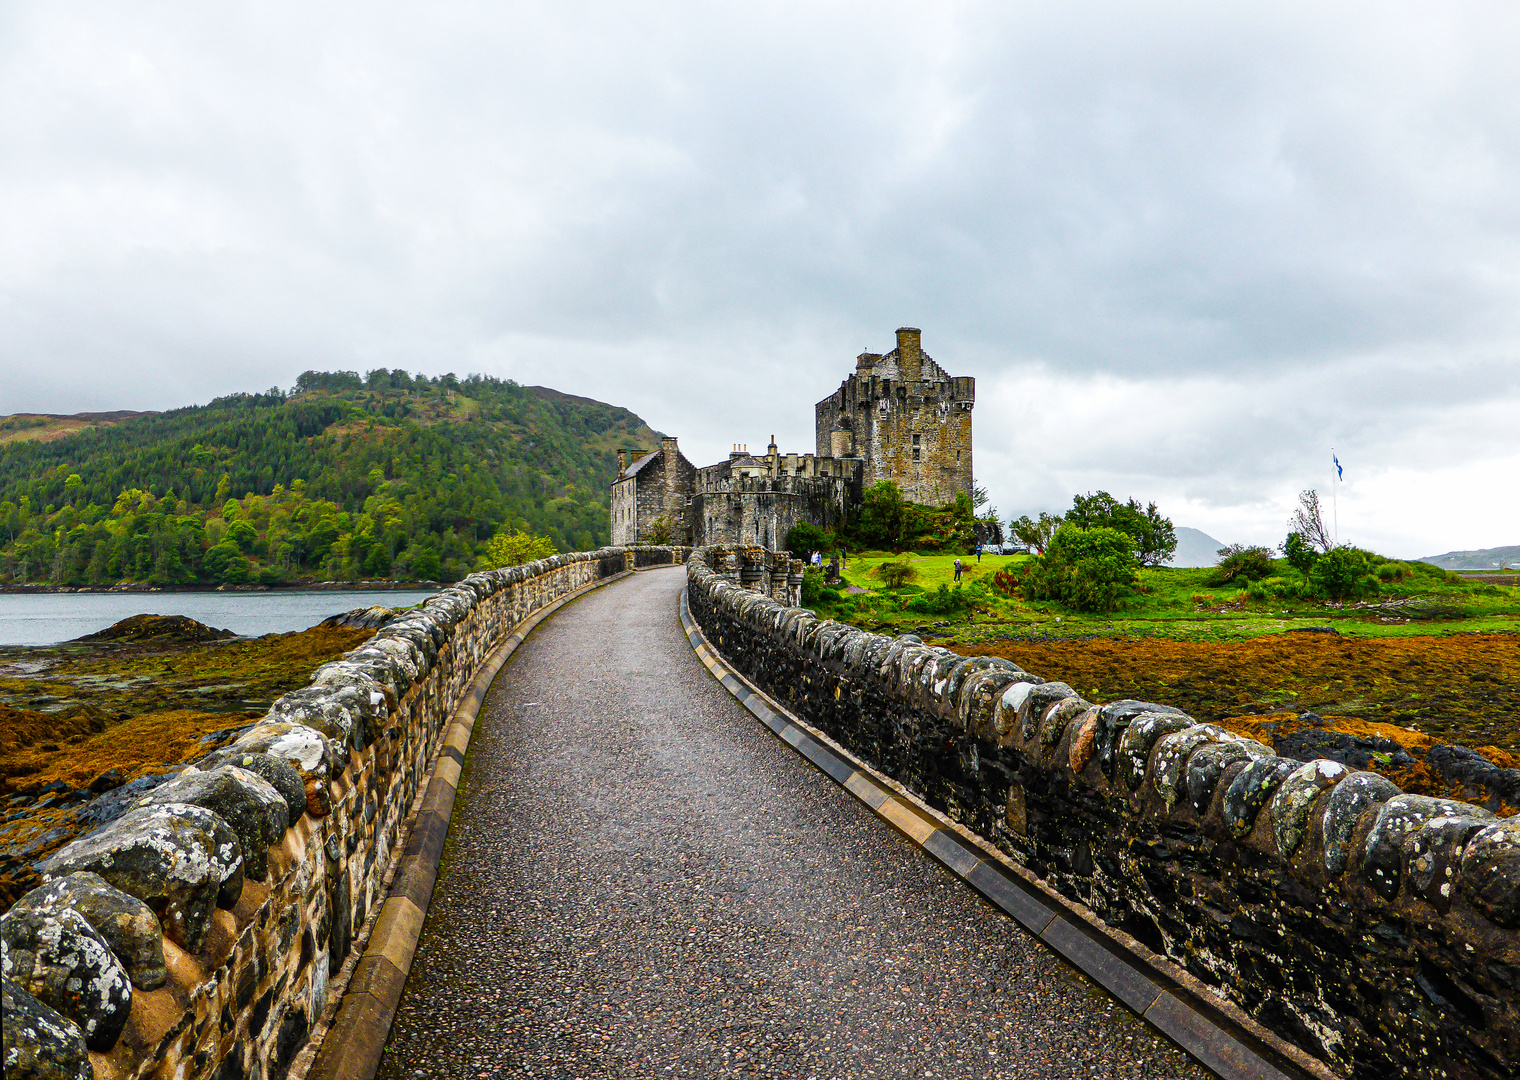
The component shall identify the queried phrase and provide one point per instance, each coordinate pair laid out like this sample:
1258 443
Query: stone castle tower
906 419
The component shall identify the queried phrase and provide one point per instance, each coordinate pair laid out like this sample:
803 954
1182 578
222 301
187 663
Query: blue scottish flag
1337 461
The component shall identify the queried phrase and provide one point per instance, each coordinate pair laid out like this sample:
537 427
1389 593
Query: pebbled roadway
641 881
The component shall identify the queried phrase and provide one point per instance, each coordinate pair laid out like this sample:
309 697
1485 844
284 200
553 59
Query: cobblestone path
641 881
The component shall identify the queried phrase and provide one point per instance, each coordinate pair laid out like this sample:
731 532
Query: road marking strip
1217 1034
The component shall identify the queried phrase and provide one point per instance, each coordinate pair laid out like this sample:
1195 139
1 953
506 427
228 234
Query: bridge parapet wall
1375 930
197 934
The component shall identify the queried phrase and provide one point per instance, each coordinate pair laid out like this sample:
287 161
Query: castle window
916 439
916 452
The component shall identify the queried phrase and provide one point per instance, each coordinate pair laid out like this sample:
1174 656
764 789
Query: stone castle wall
196 935
762 510
1373 929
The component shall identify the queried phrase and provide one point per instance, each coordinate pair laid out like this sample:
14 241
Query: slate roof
639 464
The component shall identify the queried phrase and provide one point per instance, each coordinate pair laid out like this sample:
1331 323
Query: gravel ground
641 881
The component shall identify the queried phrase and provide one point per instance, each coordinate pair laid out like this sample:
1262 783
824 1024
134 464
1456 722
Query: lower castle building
898 417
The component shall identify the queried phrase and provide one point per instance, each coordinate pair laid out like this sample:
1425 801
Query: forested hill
386 476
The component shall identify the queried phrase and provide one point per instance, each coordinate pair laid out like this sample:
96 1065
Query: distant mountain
1194 548
1482 559
343 477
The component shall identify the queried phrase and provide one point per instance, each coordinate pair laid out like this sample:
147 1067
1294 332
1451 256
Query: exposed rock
107 781
127 924
40 1044
1348 750
1479 778
183 861
249 803
63 962
280 774
159 628
361 618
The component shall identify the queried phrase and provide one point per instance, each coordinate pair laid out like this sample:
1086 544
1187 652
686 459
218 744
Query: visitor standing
957 568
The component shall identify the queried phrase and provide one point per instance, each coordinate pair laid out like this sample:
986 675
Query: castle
898 417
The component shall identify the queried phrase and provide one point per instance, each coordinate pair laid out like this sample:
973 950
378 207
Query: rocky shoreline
308 586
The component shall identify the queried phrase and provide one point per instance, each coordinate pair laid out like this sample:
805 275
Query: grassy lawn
1175 604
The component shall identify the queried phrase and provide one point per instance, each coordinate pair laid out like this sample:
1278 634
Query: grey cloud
1302 218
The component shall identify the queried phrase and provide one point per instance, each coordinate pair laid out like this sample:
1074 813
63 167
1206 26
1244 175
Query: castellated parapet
906 419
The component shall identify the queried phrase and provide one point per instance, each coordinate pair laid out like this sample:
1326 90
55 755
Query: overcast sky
1184 248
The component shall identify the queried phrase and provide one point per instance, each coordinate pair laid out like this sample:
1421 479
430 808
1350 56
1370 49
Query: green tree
1299 552
805 538
882 521
1154 537
425 565
225 563
1035 533
243 535
1086 569
514 549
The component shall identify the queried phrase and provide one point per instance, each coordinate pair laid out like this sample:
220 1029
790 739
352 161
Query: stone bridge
983 876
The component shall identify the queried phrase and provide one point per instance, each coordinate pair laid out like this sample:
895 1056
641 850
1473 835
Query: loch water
48 618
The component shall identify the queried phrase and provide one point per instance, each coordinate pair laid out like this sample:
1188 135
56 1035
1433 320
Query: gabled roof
639 464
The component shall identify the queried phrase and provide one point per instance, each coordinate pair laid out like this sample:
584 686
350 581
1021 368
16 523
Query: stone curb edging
1216 1033
356 1039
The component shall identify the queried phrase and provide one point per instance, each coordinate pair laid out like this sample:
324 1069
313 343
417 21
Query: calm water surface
47 618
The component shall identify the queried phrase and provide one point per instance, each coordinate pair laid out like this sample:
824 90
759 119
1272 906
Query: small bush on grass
1238 561
944 601
896 573
1085 569
1344 573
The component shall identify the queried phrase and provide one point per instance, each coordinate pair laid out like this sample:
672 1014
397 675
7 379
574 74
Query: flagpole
1335 502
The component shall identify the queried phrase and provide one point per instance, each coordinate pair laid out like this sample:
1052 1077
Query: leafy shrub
1275 588
1239 561
896 572
1395 571
944 601
815 593
1085 569
1344 573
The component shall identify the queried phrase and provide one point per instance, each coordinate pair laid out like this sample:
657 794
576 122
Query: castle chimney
622 463
910 353
771 450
